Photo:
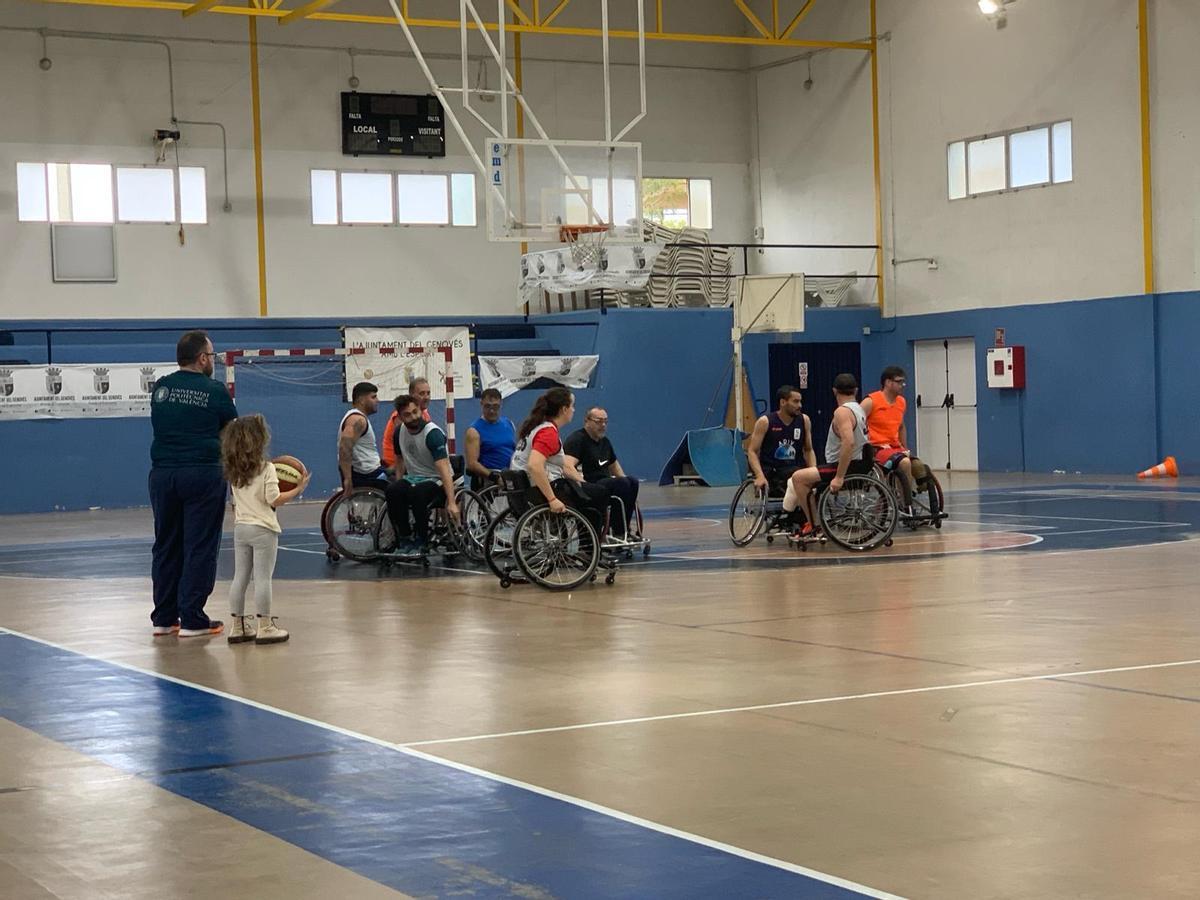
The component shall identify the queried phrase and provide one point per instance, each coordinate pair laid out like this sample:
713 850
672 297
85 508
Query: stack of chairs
689 276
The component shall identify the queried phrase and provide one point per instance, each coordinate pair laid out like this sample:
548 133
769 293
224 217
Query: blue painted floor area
419 826
1079 517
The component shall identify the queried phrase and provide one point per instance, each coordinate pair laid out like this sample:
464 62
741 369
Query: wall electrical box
1006 367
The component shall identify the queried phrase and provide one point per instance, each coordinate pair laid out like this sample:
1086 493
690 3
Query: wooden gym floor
1007 708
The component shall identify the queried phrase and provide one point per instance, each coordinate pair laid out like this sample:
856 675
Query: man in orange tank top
885 428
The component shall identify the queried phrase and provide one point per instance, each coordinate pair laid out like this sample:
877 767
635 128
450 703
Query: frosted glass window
985 165
1060 136
367 198
956 167
422 200
324 197
575 203
700 202
193 196
624 198
462 194
146 195
31 192
91 193
1029 157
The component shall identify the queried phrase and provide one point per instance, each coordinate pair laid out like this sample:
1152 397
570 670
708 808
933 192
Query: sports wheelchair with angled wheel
357 526
928 501
861 516
527 542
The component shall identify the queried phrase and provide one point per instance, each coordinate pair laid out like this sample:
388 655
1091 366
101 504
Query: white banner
508 374
620 267
392 372
95 390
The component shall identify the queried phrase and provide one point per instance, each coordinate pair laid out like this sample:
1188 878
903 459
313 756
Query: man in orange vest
886 431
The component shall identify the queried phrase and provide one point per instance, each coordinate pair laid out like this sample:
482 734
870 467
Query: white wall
101 101
947 74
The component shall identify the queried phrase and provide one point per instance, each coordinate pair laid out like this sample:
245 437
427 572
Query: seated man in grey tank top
847 433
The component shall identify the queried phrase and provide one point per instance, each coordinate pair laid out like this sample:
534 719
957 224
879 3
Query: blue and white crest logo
161 394
6 382
568 363
53 380
100 380
528 366
148 379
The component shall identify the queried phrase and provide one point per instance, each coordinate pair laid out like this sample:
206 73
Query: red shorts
889 457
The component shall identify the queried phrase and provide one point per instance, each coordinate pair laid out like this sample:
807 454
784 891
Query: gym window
1034 156
672 202
102 193
386 198
678 202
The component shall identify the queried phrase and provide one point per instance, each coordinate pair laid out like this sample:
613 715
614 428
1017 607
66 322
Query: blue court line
421 825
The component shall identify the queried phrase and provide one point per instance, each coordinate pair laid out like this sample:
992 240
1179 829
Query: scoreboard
392 125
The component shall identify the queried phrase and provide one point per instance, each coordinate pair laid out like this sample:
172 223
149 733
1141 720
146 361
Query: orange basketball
290 471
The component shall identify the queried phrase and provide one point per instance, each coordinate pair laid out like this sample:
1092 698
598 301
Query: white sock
790 499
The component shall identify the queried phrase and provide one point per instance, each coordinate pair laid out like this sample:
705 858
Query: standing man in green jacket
188 409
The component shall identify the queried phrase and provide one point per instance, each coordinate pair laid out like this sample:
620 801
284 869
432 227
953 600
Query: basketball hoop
585 241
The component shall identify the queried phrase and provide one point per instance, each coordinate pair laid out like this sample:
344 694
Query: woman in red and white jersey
540 453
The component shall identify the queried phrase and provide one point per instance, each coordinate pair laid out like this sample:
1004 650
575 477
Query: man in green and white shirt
422 471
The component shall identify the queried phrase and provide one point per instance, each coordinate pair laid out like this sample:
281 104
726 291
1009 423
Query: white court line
492 776
1127 528
1083 519
395 562
799 557
810 702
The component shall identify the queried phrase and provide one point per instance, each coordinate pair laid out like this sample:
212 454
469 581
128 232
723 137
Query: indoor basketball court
969 669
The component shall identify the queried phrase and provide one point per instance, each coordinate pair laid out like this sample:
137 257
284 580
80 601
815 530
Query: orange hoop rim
569 234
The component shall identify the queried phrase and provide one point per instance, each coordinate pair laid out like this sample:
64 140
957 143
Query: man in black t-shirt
188 409
591 449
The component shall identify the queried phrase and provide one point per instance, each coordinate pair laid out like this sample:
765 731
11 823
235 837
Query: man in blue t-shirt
491 440
188 409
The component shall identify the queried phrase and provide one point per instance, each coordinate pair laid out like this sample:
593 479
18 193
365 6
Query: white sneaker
269 632
241 629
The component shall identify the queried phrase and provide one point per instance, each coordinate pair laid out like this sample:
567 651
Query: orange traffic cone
1165 469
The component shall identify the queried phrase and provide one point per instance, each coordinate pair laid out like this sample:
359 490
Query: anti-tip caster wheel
888 542
770 538
332 555
610 578
646 552
505 583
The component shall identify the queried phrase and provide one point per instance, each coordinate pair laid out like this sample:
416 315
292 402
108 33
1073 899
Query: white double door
944 392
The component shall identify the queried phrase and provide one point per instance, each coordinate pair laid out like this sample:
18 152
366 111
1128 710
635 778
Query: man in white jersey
422 472
847 434
358 455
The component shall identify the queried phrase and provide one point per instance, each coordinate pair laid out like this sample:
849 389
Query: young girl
256 530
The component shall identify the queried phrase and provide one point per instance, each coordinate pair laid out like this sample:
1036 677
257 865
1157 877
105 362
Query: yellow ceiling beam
804 11
303 12
752 18
200 7
362 19
518 12
562 4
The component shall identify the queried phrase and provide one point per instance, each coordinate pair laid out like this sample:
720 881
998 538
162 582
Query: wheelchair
928 501
526 542
357 526
495 501
861 516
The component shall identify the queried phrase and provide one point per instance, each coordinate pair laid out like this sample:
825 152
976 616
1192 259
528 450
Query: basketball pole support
508 84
